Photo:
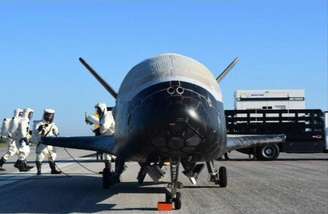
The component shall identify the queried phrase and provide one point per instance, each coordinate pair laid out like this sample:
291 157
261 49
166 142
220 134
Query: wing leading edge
247 141
105 144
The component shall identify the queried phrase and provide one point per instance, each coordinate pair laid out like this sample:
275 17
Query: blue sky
281 44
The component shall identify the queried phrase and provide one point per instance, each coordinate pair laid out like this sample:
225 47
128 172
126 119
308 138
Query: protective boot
27 166
2 161
54 171
21 166
16 165
38 167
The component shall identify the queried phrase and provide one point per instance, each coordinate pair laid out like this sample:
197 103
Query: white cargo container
269 99
326 128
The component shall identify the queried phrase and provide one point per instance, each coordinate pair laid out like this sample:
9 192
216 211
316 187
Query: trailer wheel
268 152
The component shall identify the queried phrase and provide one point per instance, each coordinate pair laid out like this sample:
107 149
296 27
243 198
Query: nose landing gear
172 196
175 201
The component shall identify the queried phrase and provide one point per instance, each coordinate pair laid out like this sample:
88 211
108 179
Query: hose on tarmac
79 163
66 175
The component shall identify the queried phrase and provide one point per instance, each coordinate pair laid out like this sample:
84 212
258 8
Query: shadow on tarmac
82 194
280 159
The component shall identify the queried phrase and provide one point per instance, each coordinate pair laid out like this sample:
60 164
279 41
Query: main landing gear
154 170
217 177
110 177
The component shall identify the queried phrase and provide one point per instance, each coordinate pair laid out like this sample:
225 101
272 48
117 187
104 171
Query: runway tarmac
296 183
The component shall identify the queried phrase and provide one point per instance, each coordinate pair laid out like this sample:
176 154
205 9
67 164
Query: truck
306 130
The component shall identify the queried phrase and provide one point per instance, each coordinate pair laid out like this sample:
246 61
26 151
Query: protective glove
40 128
87 121
25 140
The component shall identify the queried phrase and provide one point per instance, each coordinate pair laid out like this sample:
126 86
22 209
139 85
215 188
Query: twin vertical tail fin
227 70
99 78
114 93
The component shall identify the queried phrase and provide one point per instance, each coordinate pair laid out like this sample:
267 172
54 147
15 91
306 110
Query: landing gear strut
173 196
217 177
142 173
109 177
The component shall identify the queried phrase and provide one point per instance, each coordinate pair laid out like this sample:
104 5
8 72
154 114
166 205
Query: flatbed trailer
305 130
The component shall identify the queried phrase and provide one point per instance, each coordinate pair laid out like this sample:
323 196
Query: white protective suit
23 134
45 129
106 124
11 129
5 127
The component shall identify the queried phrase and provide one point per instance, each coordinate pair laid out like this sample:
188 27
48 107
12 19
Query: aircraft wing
248 141
105 144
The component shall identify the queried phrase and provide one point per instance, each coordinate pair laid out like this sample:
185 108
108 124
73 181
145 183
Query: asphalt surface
294 184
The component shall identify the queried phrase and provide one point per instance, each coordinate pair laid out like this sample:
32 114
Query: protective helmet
49 115
28 113
18 112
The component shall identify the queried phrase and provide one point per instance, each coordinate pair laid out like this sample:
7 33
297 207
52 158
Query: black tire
180 185
177 201
226 156
106 177
223 180
268 152
168 197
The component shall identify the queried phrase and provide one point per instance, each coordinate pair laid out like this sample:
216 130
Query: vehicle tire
226 156
177 201
223 180
268 152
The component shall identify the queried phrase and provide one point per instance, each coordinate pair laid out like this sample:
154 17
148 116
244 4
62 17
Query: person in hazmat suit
104 121
46 128
94 120
23 136
9 126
